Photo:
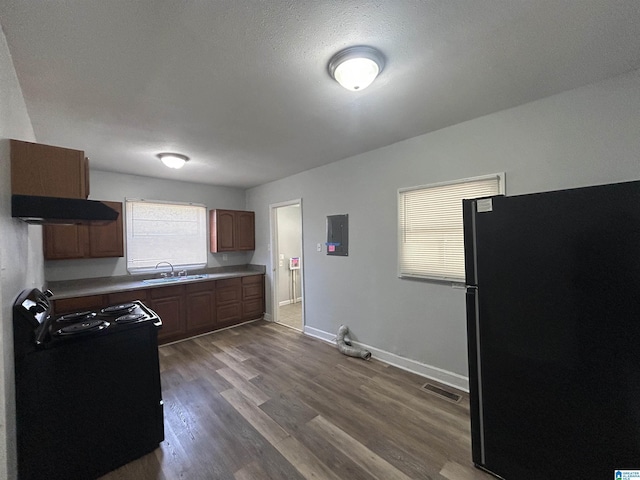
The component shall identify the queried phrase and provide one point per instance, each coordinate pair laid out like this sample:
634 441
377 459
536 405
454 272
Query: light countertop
98 286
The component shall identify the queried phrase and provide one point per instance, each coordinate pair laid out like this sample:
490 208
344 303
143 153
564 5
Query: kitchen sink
175 279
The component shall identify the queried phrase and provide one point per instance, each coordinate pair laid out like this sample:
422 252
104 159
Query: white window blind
165 232
430 236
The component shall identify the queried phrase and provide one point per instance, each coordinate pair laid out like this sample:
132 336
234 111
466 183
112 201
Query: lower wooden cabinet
252 296
229 301
169 304
188 309
201 307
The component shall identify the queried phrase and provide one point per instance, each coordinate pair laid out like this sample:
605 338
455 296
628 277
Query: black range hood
53 210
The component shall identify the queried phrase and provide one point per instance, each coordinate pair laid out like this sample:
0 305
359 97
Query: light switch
282 256
319 247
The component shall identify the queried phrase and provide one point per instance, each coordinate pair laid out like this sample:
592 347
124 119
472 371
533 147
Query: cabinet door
222 224
245 230
106 240
65 241
252 309
168 303
201 307
85 241
48 171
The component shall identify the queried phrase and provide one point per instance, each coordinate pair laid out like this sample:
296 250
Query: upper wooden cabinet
85 241
232 230
48 171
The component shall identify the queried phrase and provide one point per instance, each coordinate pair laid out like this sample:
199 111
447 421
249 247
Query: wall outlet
224 257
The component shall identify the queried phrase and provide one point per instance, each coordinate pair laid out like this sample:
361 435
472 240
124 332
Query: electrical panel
338 235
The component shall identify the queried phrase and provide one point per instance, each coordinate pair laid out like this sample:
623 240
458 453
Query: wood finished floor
262 401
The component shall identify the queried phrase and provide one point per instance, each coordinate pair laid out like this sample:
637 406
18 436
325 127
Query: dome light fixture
356 67
173 160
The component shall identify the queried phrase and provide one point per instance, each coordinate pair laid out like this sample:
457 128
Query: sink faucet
163 274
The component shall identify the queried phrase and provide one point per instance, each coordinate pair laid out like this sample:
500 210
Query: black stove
89 322
88 396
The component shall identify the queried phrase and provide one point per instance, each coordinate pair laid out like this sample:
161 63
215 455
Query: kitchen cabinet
169 304
85 241
48 171
232 230
188 309
201 307
252 296
229 301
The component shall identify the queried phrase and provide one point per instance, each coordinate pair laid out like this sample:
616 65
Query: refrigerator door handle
475 376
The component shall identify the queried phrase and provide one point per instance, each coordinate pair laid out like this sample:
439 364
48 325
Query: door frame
273 230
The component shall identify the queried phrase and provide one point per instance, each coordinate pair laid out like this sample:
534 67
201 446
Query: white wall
117 187
20 263
289 245
580 137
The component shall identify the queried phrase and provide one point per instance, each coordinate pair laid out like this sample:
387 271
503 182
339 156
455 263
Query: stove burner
130 318
77 317
82 327
118 309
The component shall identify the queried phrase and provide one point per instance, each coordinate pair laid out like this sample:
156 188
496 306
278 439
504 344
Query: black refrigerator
553 322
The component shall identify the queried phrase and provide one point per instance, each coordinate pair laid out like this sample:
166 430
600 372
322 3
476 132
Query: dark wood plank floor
262 401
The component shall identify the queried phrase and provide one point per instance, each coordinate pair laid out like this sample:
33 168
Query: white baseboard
321 334
454 380
289 302
268 317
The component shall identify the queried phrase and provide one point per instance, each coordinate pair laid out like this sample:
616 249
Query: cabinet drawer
228 282
252 279
173 291
79 304
201 286
128 296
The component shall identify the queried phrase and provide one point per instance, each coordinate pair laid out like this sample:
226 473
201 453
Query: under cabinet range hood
53 210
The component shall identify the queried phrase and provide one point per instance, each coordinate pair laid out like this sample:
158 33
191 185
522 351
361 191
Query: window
165 232
430 231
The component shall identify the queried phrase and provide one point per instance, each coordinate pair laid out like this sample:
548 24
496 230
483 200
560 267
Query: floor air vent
441 392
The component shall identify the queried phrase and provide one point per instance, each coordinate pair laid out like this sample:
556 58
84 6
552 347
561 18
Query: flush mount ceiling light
356 67
173 160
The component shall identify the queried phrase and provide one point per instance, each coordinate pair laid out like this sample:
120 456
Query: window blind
430 239
165 232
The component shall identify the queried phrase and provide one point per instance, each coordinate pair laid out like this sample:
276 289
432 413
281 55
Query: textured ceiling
242 86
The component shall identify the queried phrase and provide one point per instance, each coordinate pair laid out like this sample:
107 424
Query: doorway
287 264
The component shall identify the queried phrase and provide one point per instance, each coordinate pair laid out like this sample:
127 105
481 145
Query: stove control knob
48 293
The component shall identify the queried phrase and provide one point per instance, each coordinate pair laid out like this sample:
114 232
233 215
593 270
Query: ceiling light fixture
356 67
173 160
